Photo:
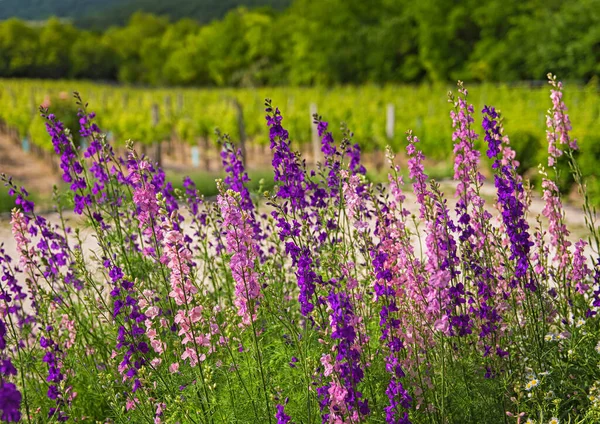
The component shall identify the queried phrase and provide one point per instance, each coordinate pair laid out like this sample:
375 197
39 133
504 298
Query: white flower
598 347
579 322
534 382
554 420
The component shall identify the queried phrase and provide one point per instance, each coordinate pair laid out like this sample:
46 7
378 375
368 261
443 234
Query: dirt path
573 216
26 168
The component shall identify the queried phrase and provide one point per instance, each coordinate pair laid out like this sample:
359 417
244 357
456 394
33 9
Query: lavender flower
10 402
69 161
340 397
55 376
509 194
282 417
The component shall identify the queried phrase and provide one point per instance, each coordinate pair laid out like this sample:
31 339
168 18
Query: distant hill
42 9
100 14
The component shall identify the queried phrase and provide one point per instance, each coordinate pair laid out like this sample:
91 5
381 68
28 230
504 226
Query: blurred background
167 73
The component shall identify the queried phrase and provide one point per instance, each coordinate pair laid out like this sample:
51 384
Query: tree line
320 43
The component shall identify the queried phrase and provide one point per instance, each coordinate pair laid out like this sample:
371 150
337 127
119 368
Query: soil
27 169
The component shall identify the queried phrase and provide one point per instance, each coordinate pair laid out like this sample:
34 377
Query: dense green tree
325 42
92 58
56 40
131 41
19 48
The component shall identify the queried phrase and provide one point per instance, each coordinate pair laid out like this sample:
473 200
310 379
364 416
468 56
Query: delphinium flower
399 275
236 176
99 152
193 198
21 196
10 402
442 266
355 165
127 313
10 396
474 225
391 335
352 200
244 249
53 359
340 399
281 416
558 127
159 180
12 294
440 244
51 257
292 190
510 191
288 171
54 255
466 171
144 198
416 172
131 337
237 179
69 161
20 231
558 123
553 211
580 271
189 316
154 322
330 153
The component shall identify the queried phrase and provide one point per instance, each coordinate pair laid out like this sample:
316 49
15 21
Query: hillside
203 11
103 13
42 9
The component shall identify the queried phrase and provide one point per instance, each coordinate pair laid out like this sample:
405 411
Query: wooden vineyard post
179 102
316 145
157 149
390 118
168 115
168 106
241 129
206 156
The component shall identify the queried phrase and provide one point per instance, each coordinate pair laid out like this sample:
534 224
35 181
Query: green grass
7 202
206 181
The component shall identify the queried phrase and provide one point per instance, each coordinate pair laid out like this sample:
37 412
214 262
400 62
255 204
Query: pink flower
326 362
442 325
242 244
131 404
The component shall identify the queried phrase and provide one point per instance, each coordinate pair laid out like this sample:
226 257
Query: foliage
323 43
323 310
188 114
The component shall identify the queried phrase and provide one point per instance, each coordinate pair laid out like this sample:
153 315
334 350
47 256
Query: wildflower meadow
322 300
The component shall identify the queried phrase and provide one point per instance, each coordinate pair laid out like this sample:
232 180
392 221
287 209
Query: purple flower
347 359
510 192
69 161
282 417
10 402
7 368
288 171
